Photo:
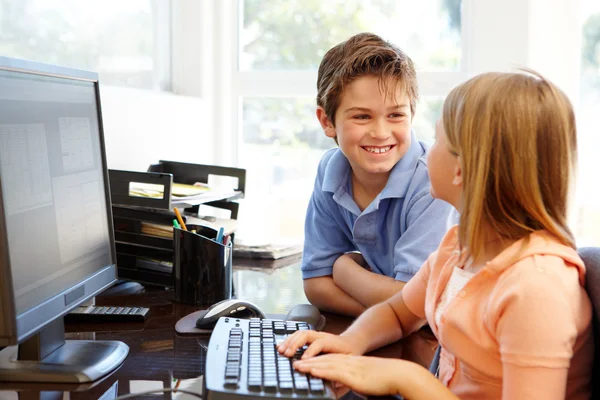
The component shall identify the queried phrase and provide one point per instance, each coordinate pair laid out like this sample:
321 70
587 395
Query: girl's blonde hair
516 139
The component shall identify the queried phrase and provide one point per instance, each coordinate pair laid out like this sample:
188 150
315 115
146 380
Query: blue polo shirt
395 233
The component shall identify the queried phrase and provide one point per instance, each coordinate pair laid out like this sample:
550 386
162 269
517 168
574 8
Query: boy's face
372 129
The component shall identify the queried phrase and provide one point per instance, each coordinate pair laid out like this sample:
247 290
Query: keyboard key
230 382
301 386
285 377
270 384
235 332
232 372
317 388
255 384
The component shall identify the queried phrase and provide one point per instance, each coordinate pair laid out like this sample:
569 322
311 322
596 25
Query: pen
219 238
180 219
176 224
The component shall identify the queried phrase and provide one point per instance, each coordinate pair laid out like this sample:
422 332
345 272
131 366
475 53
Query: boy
371 194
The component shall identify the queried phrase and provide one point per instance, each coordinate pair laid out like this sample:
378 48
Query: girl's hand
320 342
366 375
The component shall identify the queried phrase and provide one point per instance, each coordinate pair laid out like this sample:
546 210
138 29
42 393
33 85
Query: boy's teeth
378 149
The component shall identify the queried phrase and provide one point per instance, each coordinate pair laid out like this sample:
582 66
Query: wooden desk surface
159 357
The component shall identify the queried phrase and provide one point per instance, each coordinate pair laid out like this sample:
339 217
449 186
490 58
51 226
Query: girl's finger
289 342
300 339
315 348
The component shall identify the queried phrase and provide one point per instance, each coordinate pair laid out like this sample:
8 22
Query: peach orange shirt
519 329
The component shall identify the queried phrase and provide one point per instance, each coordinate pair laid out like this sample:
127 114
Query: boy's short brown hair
364 54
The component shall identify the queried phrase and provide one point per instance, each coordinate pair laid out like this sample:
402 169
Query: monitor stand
48 357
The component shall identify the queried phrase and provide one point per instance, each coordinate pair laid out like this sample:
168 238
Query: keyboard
100 314
242 362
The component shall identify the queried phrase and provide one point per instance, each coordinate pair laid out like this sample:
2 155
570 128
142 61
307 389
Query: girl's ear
457 179
325 122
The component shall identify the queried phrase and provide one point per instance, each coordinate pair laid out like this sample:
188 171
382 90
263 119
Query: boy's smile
378 150
372 128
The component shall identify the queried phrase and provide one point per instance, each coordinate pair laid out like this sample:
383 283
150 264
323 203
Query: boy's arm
360 284
326 237
427 222
327 296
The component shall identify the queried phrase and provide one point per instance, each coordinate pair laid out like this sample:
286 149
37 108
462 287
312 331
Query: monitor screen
56 211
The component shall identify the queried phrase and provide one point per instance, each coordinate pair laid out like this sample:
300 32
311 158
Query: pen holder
202 266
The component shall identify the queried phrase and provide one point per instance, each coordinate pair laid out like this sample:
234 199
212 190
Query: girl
504 293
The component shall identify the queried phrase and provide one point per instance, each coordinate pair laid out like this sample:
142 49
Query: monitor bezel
15 328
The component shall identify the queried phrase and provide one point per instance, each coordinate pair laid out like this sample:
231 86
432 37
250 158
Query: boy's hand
356 257
352 274
319 342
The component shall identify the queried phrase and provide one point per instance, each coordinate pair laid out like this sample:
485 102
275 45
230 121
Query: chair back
591 259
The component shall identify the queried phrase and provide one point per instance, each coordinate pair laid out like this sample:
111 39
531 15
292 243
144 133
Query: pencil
180 219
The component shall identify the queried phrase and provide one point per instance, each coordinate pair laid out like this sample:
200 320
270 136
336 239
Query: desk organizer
144 226
202 266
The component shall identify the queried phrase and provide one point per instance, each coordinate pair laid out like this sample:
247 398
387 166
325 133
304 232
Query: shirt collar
338 171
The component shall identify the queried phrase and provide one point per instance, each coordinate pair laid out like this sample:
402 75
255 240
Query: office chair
591 259
435 361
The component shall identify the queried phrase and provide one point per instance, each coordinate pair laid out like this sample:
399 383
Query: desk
158 356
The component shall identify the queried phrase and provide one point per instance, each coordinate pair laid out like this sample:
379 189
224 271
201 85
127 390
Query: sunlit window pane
281 148
587 227
428 112
295 34
112 37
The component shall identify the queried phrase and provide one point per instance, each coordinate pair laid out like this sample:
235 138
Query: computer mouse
234 308
309 314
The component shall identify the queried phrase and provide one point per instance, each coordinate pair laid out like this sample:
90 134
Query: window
279 47
588 216
295 35
115 38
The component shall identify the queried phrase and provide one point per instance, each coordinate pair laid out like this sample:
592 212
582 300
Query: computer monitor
56 234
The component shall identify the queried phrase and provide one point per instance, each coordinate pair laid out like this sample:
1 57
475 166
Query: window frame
538 31
284 83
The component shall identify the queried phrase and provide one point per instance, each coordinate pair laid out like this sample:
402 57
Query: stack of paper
268 251
164 231
182 194
155 265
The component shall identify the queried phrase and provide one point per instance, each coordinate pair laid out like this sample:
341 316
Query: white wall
555 42
541 34
142 127
544 35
